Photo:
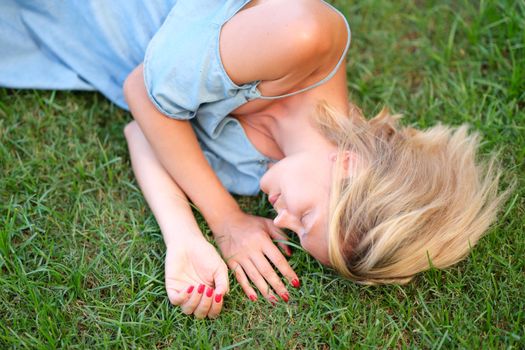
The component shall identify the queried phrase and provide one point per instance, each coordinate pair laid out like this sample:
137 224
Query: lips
273 198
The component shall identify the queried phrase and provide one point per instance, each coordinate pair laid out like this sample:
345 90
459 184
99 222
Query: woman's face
298 187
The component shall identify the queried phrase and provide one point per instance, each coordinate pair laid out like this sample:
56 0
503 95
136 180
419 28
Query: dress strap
329 76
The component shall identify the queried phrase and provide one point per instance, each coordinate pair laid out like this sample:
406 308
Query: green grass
81 256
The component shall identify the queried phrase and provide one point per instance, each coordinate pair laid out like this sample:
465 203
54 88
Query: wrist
225 222
180 234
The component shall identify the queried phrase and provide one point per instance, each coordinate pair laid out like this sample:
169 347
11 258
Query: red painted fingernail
190 289
253 297
201 289
209 292
272 299
296 283
285 297
218 298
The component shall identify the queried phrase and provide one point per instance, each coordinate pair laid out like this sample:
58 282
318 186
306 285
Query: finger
257 278
286 249
203 308
221 288
271 276
179 297
278 234
193 301
279 261
220 279
216 306
244 282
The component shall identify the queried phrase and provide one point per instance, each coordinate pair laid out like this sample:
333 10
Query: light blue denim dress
94 45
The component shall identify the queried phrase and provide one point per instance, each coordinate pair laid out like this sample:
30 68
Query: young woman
237 96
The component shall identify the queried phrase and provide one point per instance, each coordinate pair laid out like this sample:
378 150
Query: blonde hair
419 199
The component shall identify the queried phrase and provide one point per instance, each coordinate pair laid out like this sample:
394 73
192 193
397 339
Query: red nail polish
190 289
296 283
253 297
201 289
285 297
273 300
218 298
209 292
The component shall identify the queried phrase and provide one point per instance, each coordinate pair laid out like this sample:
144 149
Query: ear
350 162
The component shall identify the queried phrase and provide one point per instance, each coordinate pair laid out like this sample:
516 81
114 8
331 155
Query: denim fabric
76 44
94 45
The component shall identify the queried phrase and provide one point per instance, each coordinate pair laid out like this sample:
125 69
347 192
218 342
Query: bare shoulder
273 39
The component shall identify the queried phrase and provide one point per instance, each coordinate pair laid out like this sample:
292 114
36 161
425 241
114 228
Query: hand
246 245
196 277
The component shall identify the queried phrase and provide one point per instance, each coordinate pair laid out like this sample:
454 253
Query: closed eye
303 218
304 221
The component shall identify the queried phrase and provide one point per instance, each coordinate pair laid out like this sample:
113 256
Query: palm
190 268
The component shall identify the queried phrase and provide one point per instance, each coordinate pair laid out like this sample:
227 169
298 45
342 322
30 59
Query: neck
286 126
293 130
293 127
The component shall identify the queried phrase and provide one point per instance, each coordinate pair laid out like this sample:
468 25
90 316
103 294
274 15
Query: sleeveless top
94 44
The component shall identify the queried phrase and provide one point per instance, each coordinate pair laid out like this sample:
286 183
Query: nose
288 221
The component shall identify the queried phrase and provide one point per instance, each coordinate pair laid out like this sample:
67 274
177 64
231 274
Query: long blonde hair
418 199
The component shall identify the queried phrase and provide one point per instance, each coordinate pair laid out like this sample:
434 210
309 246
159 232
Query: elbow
132 88
128 87
131 129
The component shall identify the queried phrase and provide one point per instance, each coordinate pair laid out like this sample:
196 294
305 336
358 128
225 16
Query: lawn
81 256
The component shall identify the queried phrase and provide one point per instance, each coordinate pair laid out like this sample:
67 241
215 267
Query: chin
323 260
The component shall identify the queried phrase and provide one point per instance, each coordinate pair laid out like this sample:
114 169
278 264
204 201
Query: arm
181 234
168 203
244 239
176 147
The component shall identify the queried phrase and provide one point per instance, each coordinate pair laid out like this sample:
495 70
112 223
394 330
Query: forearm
176 147
166 200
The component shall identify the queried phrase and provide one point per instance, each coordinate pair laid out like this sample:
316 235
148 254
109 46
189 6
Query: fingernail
285 297
272 299
190 289
209 292
296 283
218 298
253 297
201 289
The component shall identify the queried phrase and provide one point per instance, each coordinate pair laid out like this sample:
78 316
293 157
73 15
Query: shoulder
313 24
307 25
277 38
